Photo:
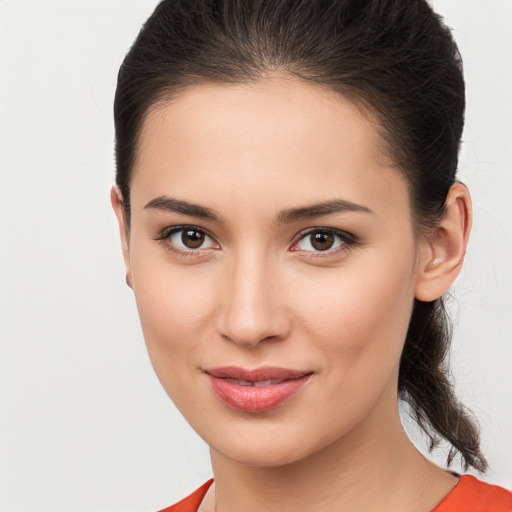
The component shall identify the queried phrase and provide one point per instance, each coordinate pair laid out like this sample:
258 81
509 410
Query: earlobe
116 199
444 250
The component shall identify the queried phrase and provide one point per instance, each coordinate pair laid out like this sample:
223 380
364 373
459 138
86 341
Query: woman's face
271 239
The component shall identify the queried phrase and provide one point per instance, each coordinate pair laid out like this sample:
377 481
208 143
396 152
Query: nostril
248 339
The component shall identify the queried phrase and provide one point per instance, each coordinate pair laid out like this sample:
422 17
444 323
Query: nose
254 304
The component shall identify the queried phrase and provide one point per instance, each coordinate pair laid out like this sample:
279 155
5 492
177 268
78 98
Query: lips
257 390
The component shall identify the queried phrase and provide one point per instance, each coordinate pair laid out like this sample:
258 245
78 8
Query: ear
117 204
443 252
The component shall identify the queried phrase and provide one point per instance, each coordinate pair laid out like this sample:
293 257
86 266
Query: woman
290 220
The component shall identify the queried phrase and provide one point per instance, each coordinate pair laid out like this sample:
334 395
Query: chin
268 440
263 454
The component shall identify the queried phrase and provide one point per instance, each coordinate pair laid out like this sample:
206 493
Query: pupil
192 239
322 241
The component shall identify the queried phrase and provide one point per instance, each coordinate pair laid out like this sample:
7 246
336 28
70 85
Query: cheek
359 317
354 324
176 307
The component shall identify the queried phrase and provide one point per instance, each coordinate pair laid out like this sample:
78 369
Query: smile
257 390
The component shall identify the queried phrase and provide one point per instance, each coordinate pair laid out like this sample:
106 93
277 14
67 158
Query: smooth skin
238 166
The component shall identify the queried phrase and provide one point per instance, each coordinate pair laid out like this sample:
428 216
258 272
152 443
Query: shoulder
473 495
191 502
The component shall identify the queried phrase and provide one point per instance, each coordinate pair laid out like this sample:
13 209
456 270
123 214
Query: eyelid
164 233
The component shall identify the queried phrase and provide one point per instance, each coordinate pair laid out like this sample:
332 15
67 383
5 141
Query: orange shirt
469 495
473 495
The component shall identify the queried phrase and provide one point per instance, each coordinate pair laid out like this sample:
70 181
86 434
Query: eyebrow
319 210
170 204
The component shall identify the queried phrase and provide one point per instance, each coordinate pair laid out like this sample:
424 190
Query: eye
324 240
190 239
187 239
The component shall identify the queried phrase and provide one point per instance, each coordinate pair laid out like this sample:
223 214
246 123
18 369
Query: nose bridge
253 308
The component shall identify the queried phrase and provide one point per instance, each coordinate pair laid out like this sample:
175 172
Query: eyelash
346 241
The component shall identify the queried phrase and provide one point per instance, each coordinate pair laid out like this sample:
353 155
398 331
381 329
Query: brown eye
322 241
192 239
188 239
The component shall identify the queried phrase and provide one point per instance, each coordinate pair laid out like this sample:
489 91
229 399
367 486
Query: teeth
259 383
263 383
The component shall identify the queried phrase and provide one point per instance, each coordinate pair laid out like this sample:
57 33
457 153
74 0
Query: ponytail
425 385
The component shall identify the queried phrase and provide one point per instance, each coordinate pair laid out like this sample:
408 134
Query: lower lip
256 398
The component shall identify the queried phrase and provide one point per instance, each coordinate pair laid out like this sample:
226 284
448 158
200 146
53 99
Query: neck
376 468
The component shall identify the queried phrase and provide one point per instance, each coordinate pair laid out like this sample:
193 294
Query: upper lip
257 374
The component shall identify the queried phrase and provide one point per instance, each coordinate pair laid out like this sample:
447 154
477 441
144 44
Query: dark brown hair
394 58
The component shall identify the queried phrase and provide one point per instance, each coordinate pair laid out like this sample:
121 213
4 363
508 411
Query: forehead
298 140
258 111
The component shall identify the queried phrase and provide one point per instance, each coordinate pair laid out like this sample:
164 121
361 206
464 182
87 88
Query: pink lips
256 390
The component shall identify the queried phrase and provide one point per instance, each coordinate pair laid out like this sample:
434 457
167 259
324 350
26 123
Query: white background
84 424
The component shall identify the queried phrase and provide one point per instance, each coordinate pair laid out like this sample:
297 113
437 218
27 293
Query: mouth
257 390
